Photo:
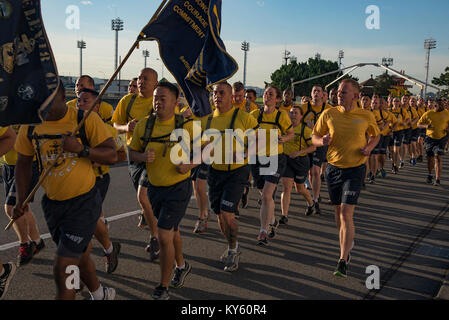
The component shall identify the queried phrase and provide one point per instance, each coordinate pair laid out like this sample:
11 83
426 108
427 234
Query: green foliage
443 81
384 82
304 70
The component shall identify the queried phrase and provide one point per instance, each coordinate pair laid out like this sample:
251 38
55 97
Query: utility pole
429 44
146 54
81 46
245 48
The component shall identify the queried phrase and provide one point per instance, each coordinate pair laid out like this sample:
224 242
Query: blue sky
302 27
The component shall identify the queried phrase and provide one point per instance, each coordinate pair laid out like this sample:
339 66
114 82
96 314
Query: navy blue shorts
138 174
398 137
407 136
170 203
344 185
10 182
226 188
272 177
435 147
102 184
200 172
72 222
415 135
318 156
422 132
297 169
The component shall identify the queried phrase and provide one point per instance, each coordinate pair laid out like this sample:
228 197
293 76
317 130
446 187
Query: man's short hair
364 94
278 91
299 109
170 86
92 92
89 78
224 83
238 86
135 79
354 84
252 91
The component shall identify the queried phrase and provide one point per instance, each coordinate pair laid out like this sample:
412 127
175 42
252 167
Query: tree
443 81
282 77
383 83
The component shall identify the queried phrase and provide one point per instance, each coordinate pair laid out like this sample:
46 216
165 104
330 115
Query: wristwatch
84 153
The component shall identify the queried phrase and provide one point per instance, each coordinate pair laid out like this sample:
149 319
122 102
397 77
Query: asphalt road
402 227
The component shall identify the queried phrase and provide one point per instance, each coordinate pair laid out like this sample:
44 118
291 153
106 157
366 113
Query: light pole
117 25
286 56
341 55
318 56
146 54
245 48
81 46
429 44
387 62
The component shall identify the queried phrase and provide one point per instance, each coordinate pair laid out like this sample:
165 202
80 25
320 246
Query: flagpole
80 124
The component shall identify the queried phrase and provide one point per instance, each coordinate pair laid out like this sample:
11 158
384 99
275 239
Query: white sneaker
109 294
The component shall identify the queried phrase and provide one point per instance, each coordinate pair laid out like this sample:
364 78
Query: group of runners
343 138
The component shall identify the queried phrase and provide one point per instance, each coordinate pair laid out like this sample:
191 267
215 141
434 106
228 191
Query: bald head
146 82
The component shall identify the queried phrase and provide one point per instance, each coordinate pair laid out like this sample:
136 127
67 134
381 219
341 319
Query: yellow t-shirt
311 116
438 121
243 106
222 121
299 142
285 124
162 172
381 118
400 118
413 116
141 108
285 108
10 158
105 112
103 169
406 116
72 176
348 132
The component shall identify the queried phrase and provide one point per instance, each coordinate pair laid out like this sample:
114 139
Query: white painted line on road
45 236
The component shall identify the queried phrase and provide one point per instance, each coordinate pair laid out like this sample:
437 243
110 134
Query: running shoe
429 179
108 294
316 208
154 249
180 276
395 170
160 293
413 161
419 159
245 198
383 173
142 222
262 239
39 247
273 228
200 226
237 213
309 210
341 270
437 183
111 260
283 220
9 269
378 174
372 180
401 164
26 253
224 256
232 261
307 183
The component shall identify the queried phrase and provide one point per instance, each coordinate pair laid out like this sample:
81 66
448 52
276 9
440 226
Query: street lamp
387 62
145 54
81 45
117 25
429 44
318 56
341 55
245 48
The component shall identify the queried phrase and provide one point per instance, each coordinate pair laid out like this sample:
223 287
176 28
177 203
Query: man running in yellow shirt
287 101
130 109
71 203
86 81
239 100
346 169
170 186
132 86
436 123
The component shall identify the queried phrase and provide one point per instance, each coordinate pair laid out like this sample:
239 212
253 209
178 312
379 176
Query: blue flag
188 33
28 74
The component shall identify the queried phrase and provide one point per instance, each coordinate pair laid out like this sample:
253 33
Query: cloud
260 3
87 3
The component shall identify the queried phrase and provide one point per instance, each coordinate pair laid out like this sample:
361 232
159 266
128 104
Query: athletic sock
109 250
182 267
98 294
